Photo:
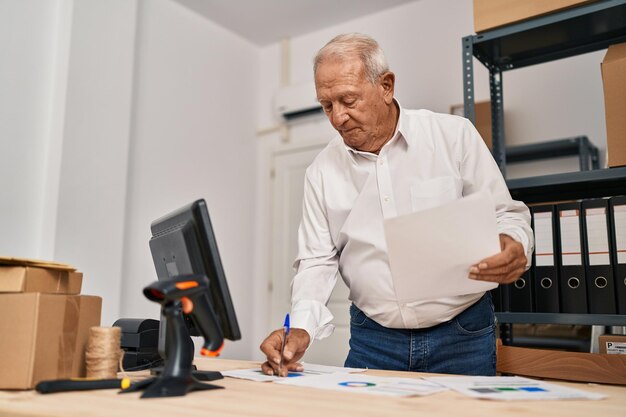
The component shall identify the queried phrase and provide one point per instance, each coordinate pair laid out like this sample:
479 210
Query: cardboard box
482 113
43 336
490 14
33 279
613 344
614 82
40 263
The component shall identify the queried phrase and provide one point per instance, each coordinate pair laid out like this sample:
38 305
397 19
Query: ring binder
618 233
545 271
520 294
571 267
598 264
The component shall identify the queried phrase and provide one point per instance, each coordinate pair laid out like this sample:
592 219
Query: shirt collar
403 126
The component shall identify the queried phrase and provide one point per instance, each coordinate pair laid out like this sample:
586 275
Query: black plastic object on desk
80 384
140 339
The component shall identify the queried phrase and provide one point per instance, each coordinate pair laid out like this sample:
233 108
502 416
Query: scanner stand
199 375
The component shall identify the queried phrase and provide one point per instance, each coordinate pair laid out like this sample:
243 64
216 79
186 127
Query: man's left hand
505 267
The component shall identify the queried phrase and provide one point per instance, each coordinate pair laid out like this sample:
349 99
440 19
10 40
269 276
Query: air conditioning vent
297 101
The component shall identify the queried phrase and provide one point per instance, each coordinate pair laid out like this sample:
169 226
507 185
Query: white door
289 167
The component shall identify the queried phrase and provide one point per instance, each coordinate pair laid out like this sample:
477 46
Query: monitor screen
183 243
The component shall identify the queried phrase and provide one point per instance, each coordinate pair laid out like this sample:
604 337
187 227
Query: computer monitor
183 243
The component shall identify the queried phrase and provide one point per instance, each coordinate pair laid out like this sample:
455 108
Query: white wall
555 100
193 137
92 191
31 42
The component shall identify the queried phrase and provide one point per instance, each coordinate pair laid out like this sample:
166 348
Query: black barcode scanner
191 293
181 296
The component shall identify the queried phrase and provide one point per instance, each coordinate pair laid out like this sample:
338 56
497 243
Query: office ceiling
264 22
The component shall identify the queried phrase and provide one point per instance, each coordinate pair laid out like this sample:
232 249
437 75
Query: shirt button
386 198
381 163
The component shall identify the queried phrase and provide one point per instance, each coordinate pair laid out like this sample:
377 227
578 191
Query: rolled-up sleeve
480 171
317 265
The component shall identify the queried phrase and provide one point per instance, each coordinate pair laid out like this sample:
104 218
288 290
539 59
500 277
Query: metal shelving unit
547 38
559 35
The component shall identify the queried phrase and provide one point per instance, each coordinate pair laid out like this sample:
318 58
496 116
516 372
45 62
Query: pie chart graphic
357 384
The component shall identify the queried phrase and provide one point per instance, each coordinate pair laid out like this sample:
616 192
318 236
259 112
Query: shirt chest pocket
434 192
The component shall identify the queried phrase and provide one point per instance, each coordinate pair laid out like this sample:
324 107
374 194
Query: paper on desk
367 384
510 388
310 369
431 251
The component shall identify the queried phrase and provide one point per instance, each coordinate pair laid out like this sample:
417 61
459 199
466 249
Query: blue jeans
465 345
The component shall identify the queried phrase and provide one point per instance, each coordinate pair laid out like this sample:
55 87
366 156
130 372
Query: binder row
579 263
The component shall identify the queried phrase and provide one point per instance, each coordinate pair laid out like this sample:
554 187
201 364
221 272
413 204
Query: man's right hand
297 342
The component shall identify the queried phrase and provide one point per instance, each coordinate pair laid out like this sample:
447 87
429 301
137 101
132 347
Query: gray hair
355 44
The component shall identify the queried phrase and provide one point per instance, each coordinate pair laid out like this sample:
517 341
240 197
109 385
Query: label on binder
597 236
619 215
570 238
544 246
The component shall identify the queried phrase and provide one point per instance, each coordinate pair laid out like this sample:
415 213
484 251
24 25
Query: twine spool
103 353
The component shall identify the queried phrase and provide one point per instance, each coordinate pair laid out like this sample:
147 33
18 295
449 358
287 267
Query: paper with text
510 388
367 384
310 369
431 251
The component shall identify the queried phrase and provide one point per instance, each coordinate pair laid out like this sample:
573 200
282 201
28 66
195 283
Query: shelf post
583 152
468 78
595 159
497 119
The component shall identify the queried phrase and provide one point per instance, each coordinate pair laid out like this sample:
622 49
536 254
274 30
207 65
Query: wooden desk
248 398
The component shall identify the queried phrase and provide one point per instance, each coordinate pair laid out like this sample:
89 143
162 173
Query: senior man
389 161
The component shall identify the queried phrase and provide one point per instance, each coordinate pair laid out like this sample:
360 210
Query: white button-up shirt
431 159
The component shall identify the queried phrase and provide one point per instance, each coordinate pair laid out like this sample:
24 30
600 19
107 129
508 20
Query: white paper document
367 384
510 388
310 369
431 251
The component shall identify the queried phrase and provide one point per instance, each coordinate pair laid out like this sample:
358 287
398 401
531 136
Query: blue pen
282 349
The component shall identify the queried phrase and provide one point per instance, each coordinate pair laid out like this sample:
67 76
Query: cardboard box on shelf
614 83
43 336
34 279
490 14
482 113
613 344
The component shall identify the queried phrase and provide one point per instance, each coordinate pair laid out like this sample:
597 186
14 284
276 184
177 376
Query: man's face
356 108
